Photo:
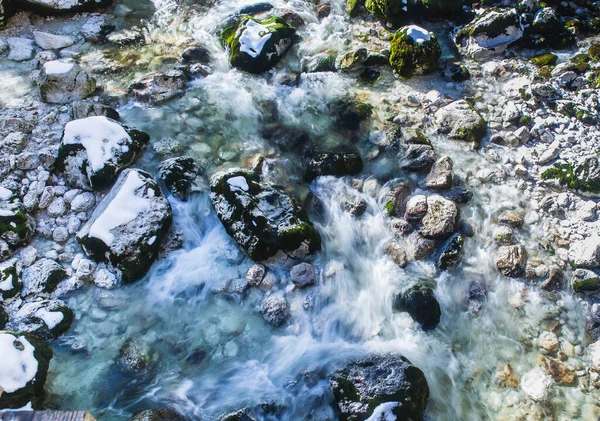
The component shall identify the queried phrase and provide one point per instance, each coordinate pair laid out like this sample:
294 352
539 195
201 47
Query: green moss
390 10
582 61
494 28
408 57
545 60
525 96
578 177
443 8
594 51
389 207
525 121
353 7
472 134
590 284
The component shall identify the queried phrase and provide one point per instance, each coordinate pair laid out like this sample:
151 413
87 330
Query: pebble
303 275
60 234
58 207
83 202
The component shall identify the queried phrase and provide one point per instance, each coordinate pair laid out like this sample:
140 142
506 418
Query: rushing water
214 353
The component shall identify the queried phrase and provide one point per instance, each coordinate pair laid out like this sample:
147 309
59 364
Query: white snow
50 318
4 212
384 412
253 38
151 240
594 350
238 183
7 284
99 136
4 193
57 67
17 367
124 208
418 34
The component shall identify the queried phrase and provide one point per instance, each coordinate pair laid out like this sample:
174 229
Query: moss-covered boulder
461 121
263 220
23 369
47 319
378 385
337 164
489 34
420 302
129 225
348 112
256 46
542 60
449 9
585 280
395 12
582 176
10 278
548 31
414 51
16 226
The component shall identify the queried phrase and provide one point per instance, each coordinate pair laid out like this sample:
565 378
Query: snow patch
50 318
7 284
124 208
57 67
5 212
18 366
238 183
5 194
384 412
99 136
253 38
418 34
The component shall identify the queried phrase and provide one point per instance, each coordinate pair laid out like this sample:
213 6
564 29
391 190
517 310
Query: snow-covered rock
586 253
127 228
47 319
10 278
94 150
62 82
42 277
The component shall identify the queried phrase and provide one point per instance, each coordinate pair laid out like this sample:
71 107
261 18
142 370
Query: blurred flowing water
214 354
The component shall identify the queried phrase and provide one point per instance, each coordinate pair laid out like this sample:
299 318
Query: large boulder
263 221
414 51
256 46
368 388
178 174
548 31
47 319
420 302
62 82
337 164
461 121
95 149
128 227
395 12
489 34
23 369
440 219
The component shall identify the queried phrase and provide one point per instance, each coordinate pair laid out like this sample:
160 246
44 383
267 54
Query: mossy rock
46 319
548 31
10 279
525 121
442 8
451 252
16 227
411 56
584 280
582 62
336 164
461 121
420 302
548 59
583 176
30 387
396 12
349 113
256 46
594 51
354 7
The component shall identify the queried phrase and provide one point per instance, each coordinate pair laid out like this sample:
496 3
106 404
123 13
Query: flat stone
51 41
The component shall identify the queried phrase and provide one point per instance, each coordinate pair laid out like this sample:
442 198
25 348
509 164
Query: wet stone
303 275
275 310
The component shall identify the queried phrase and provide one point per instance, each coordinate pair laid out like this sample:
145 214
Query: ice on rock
18 365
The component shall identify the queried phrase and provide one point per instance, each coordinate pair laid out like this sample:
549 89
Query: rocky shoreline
81 205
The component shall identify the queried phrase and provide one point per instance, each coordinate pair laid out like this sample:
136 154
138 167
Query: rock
397 254
456 72
441 218
275 310
414 51
353 60
3 317
380 382
393 11
94 150
256 46
489 34
586 253
42 277
97 27
49 6
511 260
178 174
157 88
557 370
263 221
460 121
163 414
416 208
20 49
129 36
24 367
594 352
421 304
548 341
196 54
46 319
547 31
16 226
585 280
57 207
451 252
555 280
356 206
348 113
506 376
536 384
60 234
48 41
83 202
83 109
504 235
256 274
440 176
581 176
14 143
128 226
422 247
63 82
418 158
303 275
511 218
105 279
135 357
394 204
449 9
10 279
336 164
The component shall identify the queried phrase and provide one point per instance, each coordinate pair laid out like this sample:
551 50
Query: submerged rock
365 387
163 414
178 174
460 121
414 51
63 82
256 46
420 302
94 150
135 356
489 33
303 275
157 88
511 260
23 369
263 221
128 226
337 164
